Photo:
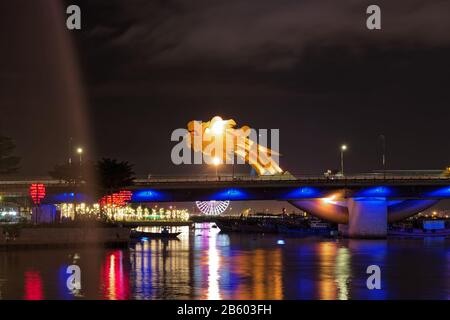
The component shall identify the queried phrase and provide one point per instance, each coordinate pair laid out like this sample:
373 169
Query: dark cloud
247 33
268 47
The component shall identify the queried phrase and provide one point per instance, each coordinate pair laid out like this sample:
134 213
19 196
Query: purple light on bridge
148 195
230 194
304 193
441 193
380 191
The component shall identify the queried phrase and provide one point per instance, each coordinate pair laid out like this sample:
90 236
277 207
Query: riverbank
419 233
63 235
135 224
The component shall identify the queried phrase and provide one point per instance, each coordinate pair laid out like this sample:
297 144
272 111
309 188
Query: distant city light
9 213
280 242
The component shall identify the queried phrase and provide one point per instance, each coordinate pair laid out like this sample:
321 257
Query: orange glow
333 198
327 286
329 200
216 161
264 285
221 139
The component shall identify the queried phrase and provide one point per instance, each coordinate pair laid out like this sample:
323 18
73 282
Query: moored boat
427 228
153 235
258 224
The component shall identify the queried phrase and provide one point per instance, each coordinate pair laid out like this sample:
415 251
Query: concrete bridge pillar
367 218
363 217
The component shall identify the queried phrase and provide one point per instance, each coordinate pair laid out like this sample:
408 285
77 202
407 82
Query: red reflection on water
33 286
115 279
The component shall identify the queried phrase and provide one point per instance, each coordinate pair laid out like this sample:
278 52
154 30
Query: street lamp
343 148
216 163
383 149
80 153
70 151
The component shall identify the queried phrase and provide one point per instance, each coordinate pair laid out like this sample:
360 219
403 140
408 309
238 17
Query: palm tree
8 163
114 175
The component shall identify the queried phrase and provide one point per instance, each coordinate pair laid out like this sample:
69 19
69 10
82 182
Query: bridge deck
284 187
264 181
279 180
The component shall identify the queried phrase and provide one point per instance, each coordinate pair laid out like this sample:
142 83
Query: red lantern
125 196
37 192
117 199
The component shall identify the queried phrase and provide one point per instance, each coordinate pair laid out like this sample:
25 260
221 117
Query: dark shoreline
129 224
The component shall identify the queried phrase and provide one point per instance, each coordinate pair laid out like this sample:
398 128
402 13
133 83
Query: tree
66 172
114 175
8 163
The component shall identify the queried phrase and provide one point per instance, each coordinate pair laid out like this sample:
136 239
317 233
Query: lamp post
70 151
80 153
343 149
383 149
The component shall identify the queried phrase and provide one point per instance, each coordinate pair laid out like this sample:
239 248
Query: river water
206 264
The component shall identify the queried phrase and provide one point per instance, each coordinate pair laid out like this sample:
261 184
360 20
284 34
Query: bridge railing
249 178
290 177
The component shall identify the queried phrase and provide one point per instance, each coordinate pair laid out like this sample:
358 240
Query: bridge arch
339 213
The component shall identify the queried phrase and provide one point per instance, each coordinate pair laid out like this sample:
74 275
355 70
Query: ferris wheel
213 207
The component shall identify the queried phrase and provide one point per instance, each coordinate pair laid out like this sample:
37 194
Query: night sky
139 69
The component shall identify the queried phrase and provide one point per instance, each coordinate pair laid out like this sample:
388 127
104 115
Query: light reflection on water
206 264
213 268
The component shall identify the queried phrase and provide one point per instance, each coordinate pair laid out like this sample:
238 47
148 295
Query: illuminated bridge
366 203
